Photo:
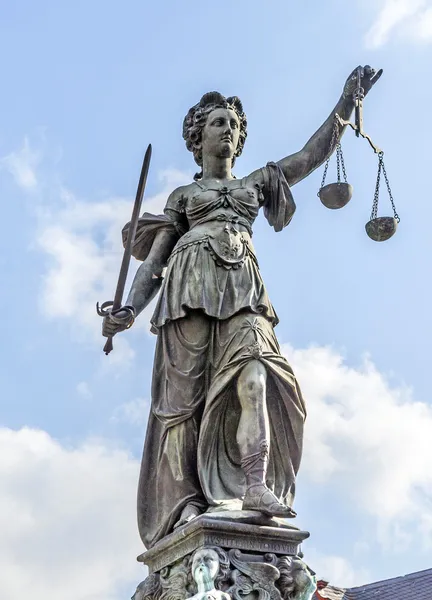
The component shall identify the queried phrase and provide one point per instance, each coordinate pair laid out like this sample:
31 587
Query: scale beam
359 132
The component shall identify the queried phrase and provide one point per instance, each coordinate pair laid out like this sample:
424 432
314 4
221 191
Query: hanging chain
335 134
395 214
342 162
338 147
324 175
374 212
381 167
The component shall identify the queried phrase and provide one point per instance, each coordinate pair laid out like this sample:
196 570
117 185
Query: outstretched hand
368 78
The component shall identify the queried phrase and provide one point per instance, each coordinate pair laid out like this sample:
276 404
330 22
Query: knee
252 383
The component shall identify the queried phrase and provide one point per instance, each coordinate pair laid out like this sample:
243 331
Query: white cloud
369 440
134 412
423 28
84 391
67 519
411 19
336 570
22 165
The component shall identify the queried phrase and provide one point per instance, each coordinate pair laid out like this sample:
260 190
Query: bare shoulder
182 190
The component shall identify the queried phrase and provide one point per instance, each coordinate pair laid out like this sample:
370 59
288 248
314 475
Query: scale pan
336 195
381 229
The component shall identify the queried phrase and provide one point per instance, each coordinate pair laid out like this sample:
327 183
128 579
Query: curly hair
196 119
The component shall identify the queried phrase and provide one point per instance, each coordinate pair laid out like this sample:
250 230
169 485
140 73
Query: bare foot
188 513
258 497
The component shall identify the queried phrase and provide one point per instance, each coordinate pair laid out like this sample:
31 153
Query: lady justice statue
227 414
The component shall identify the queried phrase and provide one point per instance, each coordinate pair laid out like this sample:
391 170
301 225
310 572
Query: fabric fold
147 228
279 206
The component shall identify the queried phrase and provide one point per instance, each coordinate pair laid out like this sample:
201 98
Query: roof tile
415 586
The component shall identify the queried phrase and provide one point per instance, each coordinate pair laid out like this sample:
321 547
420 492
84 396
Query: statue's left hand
369 77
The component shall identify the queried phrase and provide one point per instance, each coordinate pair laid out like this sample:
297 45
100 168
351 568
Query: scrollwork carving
297 581
149 589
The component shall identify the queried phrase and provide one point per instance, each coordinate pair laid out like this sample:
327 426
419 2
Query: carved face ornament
205 565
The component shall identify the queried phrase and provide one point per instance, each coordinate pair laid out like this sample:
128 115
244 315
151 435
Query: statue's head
216 125
205 565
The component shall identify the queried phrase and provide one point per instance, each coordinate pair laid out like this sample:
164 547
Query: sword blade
118 297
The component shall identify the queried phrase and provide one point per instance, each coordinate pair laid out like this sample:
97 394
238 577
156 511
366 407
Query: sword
118 297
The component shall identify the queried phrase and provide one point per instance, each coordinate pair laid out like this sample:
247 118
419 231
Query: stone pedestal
243 556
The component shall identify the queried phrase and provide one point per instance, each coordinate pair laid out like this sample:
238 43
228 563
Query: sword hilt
107 310
103 311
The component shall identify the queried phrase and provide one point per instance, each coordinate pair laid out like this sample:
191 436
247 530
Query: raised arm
316 151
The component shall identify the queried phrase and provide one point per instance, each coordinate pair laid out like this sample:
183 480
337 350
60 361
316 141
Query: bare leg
254 425
253 438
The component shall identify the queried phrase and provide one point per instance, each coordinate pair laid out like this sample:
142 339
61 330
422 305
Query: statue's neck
217 168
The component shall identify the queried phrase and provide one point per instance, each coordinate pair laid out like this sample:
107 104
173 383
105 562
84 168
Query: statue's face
221 132
205 565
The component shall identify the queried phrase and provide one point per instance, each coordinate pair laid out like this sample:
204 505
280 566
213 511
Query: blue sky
86 86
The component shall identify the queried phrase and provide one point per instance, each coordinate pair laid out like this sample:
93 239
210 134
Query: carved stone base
222 557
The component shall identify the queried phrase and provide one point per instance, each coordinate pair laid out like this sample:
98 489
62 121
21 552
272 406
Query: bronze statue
226 423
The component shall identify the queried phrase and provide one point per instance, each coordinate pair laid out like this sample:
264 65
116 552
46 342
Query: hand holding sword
118 317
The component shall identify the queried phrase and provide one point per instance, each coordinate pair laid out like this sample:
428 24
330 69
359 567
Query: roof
415 586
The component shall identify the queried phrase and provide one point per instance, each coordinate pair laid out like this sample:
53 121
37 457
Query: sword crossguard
102 310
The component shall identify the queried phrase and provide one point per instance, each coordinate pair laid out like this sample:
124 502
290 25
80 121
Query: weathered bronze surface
225 430
381 229
336 195
222 560
227 533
